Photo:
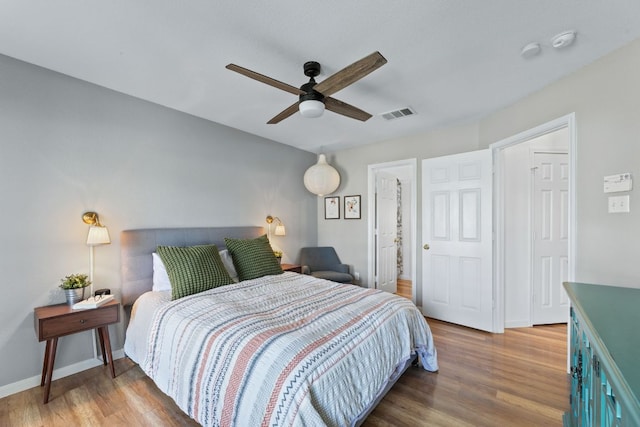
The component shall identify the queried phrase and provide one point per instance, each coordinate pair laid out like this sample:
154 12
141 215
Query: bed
279 350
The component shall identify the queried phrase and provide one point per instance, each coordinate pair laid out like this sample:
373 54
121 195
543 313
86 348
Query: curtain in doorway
400 262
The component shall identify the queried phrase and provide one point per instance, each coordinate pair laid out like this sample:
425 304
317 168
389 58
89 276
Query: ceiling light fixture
563 39
311 108
321 178
311 101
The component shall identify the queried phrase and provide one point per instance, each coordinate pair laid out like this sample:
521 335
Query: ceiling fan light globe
311 108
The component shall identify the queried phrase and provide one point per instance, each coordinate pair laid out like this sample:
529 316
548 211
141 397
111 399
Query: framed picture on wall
351 207
332 207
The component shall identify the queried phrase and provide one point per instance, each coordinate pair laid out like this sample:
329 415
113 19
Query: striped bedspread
287 350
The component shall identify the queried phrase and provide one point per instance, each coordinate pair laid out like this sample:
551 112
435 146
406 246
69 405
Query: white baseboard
517 324
62 372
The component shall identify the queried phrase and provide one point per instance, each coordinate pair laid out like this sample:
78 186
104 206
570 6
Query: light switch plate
619 204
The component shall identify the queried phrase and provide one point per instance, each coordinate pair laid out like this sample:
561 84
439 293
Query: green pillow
253 258
193 269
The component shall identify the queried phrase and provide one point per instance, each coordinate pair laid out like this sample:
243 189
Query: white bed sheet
136 344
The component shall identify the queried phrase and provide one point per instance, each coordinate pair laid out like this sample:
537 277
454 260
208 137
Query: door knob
426 247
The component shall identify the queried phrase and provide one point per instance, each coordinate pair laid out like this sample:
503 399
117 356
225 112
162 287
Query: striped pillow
193 269
253 258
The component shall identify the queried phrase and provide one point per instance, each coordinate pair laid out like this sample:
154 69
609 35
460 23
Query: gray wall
604 96
67 147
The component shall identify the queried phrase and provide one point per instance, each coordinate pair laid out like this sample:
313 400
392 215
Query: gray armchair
323 262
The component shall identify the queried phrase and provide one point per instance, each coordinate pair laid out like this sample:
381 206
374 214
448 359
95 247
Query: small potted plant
278 255
73 286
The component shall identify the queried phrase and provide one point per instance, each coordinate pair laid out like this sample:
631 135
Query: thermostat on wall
619 182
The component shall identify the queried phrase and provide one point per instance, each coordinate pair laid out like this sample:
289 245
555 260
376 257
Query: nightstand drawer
77 321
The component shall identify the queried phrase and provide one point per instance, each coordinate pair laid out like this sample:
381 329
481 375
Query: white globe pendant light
321 178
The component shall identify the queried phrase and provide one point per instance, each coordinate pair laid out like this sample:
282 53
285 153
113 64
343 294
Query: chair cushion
334 276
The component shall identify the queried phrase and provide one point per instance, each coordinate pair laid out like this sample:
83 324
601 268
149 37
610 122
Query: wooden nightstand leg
50 357
45 363
104 356
107 348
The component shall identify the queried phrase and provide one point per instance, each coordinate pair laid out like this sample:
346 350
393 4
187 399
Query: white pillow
228 264
161 280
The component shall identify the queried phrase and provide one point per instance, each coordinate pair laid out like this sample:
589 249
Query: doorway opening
403 269
526 283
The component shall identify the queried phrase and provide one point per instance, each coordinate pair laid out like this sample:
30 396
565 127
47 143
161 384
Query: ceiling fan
315 97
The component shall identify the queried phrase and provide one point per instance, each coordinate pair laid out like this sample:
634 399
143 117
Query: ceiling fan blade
264 79
345 109
287 112
350 74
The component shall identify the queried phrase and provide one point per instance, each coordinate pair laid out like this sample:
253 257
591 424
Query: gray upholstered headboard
136 247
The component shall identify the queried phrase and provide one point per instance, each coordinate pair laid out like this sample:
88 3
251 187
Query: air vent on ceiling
396 114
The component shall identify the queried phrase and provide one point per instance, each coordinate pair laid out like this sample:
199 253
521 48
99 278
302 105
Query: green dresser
605 356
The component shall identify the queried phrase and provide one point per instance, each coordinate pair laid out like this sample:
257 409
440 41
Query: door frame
568 121
371 206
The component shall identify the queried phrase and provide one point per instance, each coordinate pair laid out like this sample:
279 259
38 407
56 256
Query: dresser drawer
77 321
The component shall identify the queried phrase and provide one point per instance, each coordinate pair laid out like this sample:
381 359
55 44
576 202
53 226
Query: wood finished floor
404 288
514 379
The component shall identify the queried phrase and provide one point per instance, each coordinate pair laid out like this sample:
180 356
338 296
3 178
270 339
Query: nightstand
55 321
291 267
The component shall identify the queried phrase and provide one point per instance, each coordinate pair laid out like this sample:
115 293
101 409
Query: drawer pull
82 321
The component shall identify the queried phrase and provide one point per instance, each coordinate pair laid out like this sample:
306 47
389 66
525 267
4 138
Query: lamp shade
98 236
280 230
321 178
311 108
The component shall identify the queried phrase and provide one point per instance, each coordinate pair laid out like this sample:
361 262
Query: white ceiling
451 61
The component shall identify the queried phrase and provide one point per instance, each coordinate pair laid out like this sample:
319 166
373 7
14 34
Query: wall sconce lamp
280 230
98 235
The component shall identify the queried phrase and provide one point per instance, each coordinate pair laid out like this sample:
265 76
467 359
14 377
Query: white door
457 267
550 237
386 231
